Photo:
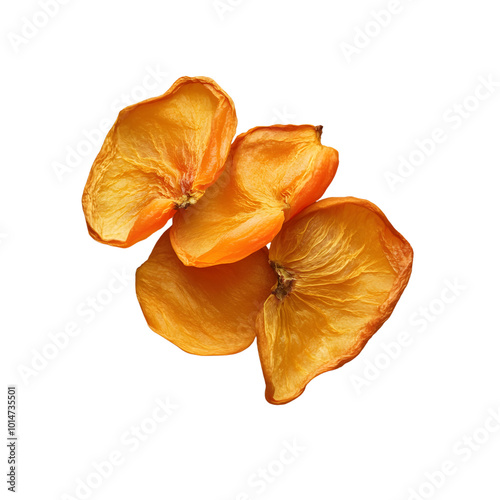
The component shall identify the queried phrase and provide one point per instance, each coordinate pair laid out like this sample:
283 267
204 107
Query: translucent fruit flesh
341 269
208 311
159 156
271 174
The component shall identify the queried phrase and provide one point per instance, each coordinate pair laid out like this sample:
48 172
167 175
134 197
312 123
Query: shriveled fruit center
285 280
186 200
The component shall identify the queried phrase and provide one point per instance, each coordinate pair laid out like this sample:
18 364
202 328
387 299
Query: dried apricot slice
160 155
341 269
271 174
203 311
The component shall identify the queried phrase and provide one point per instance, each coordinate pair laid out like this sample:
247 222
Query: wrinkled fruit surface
271 174
341 269
159 156
203 311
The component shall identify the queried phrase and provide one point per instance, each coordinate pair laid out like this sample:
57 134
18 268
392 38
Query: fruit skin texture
203 311
271 174
342 269
161 154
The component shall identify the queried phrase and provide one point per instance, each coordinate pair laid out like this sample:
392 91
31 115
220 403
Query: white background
281 61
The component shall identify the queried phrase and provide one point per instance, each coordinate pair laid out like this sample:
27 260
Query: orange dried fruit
341 269
160 155
208 311
271 174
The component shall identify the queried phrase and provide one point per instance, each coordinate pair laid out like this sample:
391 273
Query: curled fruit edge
371 328
108 146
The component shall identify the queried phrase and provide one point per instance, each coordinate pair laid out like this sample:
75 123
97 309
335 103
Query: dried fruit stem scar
186 200
285 280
